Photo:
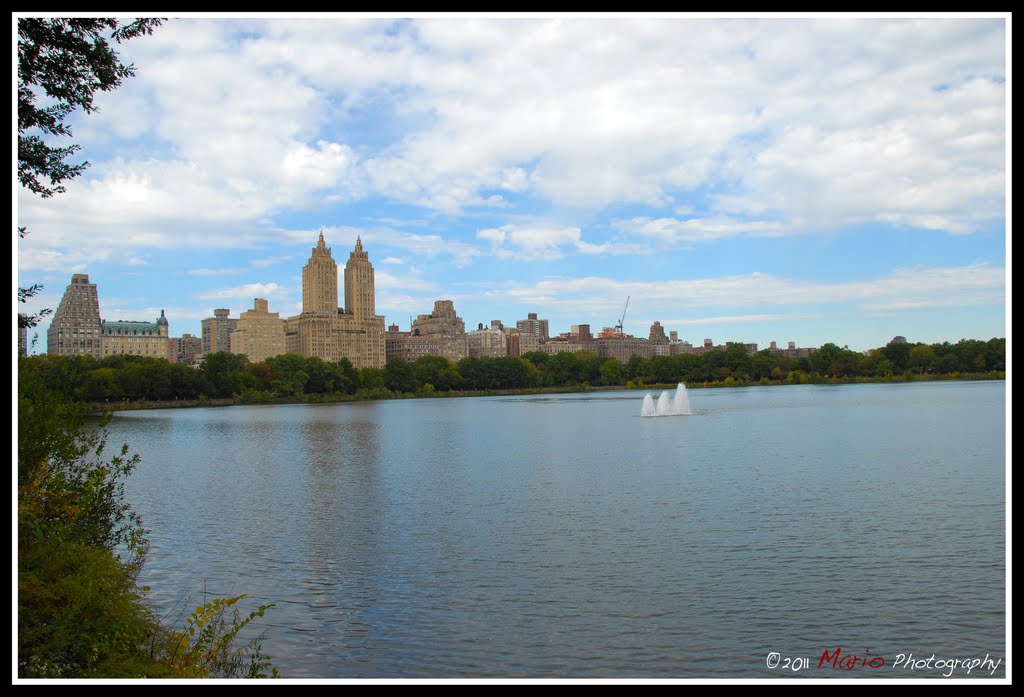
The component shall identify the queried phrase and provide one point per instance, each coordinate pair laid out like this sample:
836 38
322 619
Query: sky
813 179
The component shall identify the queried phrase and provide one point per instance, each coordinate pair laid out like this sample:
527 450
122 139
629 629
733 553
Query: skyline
741 179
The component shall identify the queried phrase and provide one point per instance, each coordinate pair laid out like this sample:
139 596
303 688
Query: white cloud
675 231
978 284
247 292
734 319
822 122
416 245
535 242
213 273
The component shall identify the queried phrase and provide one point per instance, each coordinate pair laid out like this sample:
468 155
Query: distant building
657 335
520 343
791 351
408 347
553 347
137 338
489 343
217 331
330 332
660 344
444 328
624 347
751 349
675 347
187 349
532 325
76 328
259 334
580 333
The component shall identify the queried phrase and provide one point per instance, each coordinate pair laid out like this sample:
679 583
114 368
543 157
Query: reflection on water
563 537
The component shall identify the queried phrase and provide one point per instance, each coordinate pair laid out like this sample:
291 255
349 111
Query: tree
62 64
922 357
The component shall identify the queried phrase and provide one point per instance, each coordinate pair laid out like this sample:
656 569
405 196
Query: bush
80 611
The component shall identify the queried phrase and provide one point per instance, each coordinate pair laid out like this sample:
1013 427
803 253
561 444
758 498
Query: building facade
486 342
137 338
76 328
259 333
520 343
330 332
532 325
445 329
217 331
187 349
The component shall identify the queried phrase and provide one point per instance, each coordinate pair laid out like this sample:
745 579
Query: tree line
292 377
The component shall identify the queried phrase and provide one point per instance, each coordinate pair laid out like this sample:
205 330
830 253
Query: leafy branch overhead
62 63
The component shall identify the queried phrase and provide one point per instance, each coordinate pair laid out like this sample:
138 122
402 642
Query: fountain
667 405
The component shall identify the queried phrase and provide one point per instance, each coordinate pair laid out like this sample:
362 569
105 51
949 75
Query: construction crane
623 317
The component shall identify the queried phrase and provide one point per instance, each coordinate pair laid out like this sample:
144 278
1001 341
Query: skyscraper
359 285
76 329
217 331
532 325
259 333
330 332
320 281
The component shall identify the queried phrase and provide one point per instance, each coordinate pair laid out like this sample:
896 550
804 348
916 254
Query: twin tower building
323 328
328 331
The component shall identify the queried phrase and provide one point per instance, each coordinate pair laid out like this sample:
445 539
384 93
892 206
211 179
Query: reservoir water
569 537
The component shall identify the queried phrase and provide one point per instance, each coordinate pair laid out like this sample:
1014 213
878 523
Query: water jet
667 404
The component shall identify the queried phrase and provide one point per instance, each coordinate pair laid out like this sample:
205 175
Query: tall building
359 284
76 328
659 343
259 334
520 343
657 335
187 349
330 332
444 327
217 331
486 343
532 325
320 282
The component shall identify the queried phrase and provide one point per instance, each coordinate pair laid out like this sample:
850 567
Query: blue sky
739 178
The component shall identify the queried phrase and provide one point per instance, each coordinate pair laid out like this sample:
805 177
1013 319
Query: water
568 537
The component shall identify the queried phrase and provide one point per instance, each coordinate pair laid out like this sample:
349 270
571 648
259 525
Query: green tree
922 357
62 64
821 360
898 354
398 376
438 371
224 374
611 372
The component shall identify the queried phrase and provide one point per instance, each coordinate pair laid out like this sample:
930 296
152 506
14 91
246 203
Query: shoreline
104 408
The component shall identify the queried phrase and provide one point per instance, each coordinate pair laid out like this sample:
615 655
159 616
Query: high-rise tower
359 286
320 281
76 328
326 331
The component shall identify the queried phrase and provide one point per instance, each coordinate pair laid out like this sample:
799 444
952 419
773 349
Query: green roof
124 327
